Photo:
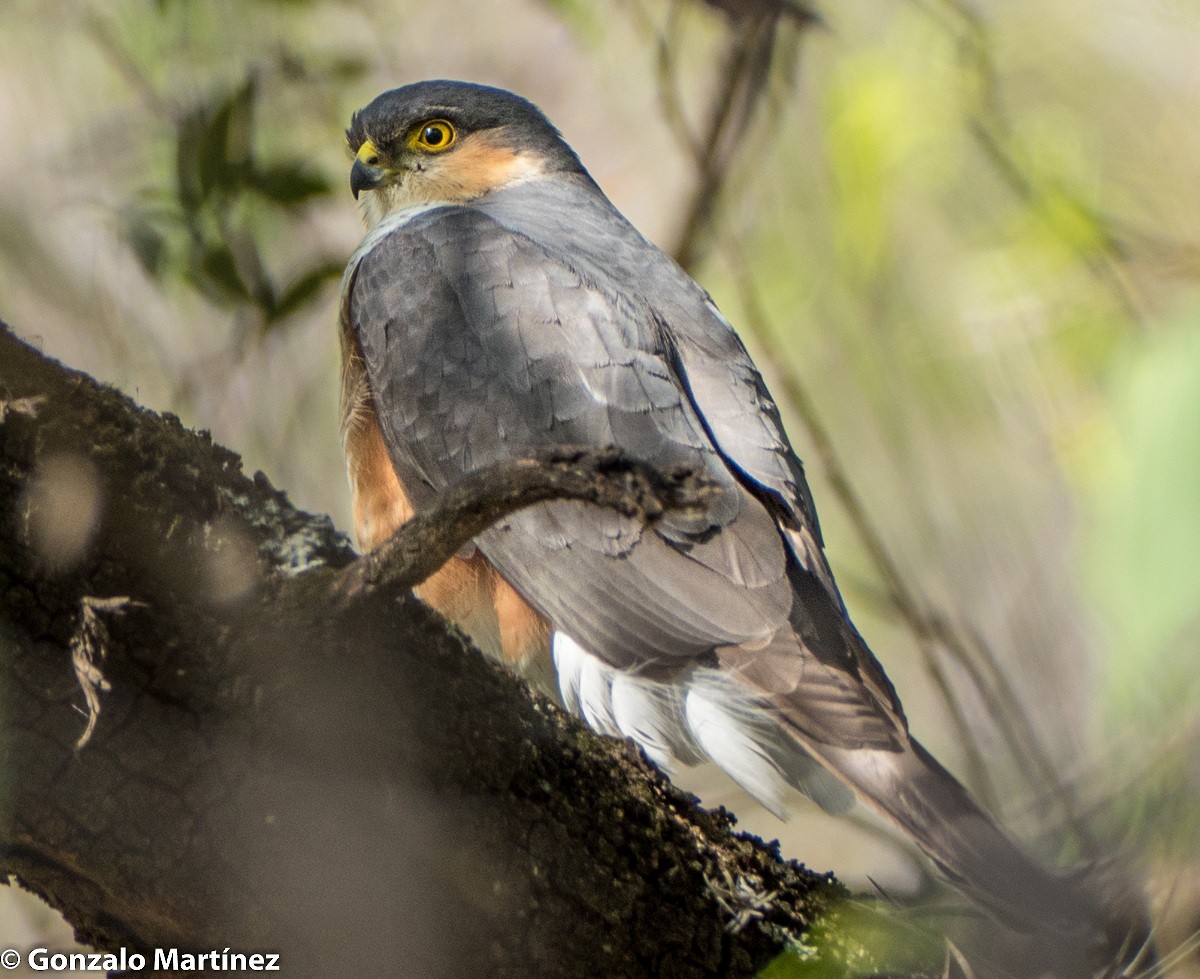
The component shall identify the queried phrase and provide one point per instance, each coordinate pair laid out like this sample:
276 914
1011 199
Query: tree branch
743 80
606 478
342 783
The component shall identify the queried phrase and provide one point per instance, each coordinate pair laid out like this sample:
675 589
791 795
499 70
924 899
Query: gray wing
730 394
739 411
482 345
708 358
830 665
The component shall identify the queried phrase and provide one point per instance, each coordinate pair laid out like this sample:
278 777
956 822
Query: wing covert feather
483 342
481 347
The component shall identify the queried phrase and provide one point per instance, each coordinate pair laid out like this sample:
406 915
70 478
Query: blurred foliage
1140 485
968 235
869 940
1142 489
212 223
207 232
887 125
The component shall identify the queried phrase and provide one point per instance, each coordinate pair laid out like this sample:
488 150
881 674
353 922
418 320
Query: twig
1094 782
743 81
746 9
125 66
753 36
605 477
1109 266
89 646
669 96
969 648
957 966
993 132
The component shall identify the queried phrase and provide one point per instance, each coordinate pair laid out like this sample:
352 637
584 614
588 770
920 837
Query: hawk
500 304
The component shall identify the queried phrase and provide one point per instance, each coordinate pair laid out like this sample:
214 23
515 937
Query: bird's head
448 142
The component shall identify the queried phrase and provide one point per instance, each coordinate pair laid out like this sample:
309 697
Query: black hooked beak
365 174
364 177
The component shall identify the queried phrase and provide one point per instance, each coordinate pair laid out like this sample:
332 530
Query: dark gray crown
471 108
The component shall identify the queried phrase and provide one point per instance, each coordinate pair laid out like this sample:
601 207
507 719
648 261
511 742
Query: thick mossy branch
275 768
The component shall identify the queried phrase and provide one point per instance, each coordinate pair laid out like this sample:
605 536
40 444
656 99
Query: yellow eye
433 136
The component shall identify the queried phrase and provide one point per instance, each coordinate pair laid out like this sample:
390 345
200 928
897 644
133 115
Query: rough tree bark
291 756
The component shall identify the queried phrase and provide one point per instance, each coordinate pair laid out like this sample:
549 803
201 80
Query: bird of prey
500 305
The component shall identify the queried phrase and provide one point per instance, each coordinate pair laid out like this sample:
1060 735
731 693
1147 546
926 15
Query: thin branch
101 32
1098 788
739 10
993 132
752 46
970 649
1110 265
606 478
667 76
742 84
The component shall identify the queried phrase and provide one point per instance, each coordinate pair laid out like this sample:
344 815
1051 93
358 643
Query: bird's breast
466 590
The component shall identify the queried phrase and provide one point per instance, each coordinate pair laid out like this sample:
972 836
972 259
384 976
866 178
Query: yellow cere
368 153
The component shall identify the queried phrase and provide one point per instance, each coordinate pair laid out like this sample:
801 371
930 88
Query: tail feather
831 695
913 790
1079 926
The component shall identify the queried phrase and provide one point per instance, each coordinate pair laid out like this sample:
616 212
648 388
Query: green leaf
226 147
578 14
214 272
790 965
214 145
303 290
348 69
149 245
288 183
251 268
188 141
